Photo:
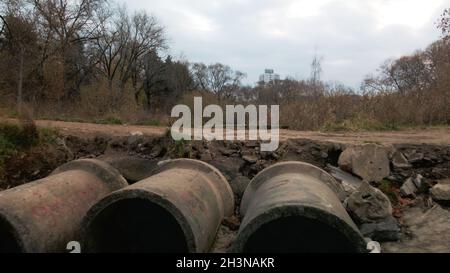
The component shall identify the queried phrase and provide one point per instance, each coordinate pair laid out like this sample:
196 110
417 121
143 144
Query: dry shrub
207 99
99 100
53 77
380 111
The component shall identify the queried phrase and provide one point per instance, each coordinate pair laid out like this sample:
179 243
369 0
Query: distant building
269 76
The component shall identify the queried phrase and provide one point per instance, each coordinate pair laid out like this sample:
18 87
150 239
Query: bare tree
126 46
19 38
444 23
68 22
66 26
217 78
154 78
403 75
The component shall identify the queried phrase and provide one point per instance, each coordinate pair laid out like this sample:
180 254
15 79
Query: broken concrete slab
409 188
414 157
350 183
369 161
368 205
399 161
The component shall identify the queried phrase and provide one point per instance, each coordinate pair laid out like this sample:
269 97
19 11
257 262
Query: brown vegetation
90 61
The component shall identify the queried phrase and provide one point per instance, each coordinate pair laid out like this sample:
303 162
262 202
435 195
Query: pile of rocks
369 207
413 171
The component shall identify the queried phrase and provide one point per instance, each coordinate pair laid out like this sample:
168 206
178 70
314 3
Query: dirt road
439 136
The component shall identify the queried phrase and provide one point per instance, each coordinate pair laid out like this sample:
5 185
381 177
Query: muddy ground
424 223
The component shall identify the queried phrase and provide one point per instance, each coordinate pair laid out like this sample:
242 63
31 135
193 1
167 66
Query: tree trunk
20 82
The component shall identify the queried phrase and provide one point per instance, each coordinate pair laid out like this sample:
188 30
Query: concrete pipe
291 207
179 209
45 215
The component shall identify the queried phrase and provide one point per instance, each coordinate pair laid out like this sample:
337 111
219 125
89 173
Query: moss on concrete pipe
291 207
45 215
179 209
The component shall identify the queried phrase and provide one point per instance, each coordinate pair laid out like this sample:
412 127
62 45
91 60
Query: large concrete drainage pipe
179 209
45 215
291 207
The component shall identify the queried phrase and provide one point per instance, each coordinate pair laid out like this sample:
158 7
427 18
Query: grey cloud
345 33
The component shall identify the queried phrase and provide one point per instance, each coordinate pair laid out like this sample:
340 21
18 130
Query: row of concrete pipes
289 207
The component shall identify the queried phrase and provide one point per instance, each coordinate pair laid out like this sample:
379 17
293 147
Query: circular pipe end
10 241
136 221
294 207
298 229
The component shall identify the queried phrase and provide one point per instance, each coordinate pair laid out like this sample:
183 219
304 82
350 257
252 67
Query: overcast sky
353 36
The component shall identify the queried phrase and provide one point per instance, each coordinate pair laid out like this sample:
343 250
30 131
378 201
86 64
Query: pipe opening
135 225
8 239
333 156
297 234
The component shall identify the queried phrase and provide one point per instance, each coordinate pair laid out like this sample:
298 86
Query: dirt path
439 136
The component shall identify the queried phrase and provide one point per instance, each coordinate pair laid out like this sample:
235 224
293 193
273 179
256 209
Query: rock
370 162
226 152
409 188
257 167
384 231
229 166
441 191
399 161
275 155
62 143
134 137
206 156
251 144
136 133
349 182
252 159
418 181
156 151
238 185
265 155
441 172
368 205
414 157
374 247
348 188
